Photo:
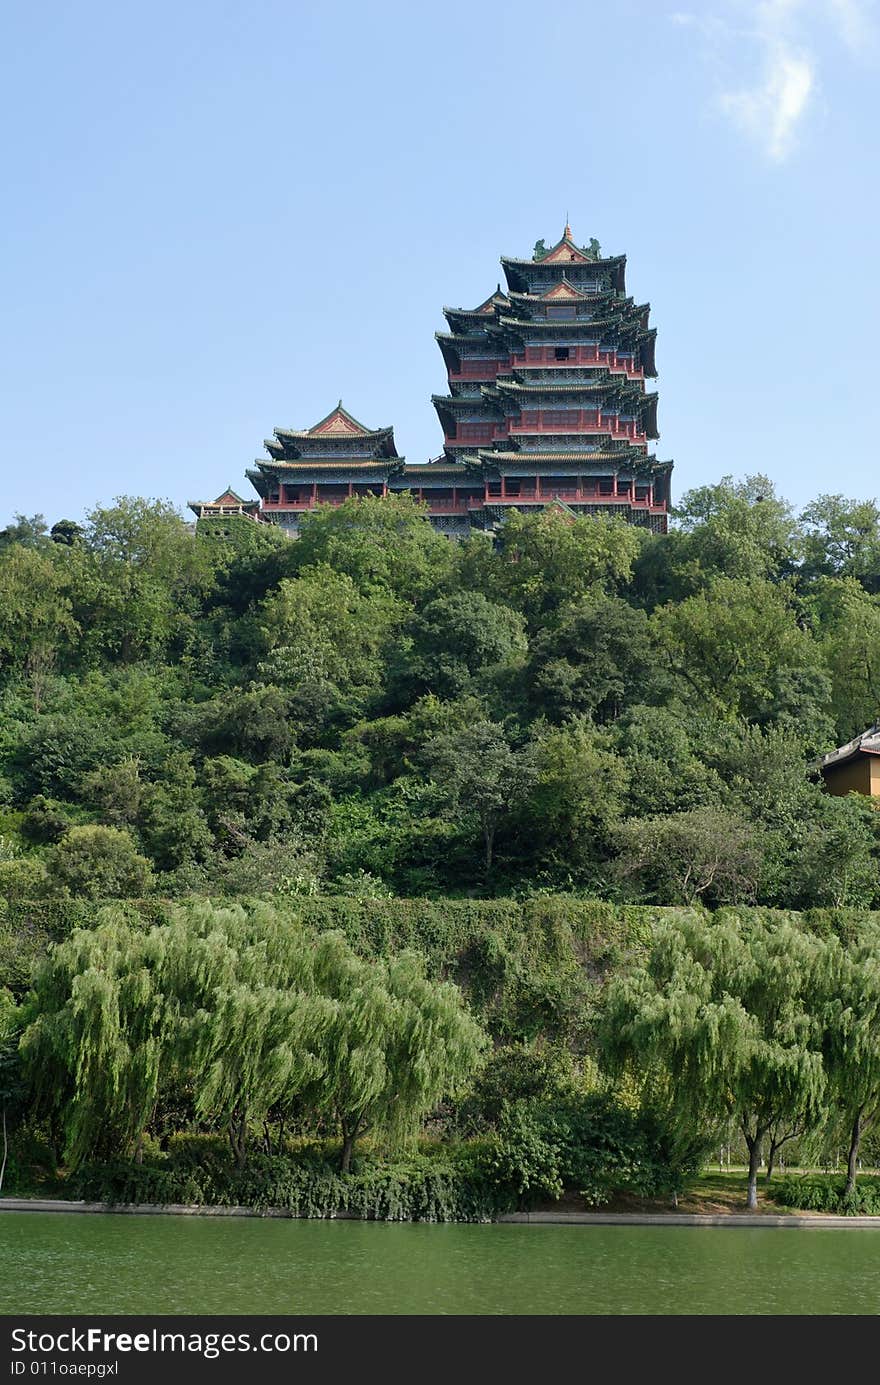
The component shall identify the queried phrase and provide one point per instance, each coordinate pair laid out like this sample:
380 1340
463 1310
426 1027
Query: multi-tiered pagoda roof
337 457
546 403
547 391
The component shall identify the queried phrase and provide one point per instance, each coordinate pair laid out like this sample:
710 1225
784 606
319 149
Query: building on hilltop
546 405
854 767
547 393
336 458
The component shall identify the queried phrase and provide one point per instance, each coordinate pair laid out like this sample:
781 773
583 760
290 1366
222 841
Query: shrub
825 1193
99 863
435 1189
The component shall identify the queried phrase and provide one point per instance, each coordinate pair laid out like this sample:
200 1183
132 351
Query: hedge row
825 1193
528 965
417 1189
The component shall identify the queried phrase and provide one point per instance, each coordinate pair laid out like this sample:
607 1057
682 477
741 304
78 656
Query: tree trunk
771 1159
489 839
238 1137
852 1158
754 1148
5 1151
347 1147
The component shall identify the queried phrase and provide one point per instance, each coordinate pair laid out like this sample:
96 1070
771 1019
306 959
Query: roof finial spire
566 235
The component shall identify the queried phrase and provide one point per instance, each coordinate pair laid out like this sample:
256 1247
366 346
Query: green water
68 1263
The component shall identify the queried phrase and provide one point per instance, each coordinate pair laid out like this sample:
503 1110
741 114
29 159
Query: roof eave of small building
868 743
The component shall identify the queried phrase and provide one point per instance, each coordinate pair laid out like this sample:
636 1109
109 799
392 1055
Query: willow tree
11 1086
249 1019
397 1044
730 1012
850 979
95 1051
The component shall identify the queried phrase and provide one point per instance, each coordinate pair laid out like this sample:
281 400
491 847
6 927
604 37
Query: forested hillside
375 710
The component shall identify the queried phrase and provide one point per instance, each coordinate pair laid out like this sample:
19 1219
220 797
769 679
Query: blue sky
221 217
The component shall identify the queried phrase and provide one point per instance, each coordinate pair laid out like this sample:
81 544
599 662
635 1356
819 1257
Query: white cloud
855 23
779 40
770 111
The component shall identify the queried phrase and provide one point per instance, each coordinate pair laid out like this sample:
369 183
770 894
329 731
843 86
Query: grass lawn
711 1192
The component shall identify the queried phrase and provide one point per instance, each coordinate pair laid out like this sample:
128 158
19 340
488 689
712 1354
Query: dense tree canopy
578 705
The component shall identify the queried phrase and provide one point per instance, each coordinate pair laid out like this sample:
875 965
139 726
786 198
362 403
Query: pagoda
336 458
546 406
547 400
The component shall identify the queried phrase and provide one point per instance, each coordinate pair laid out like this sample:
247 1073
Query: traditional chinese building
854 767
547 396
336 458
546 405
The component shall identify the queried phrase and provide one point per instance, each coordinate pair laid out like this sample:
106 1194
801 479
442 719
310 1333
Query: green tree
27 531
67 532
660 747
479 772
730 1013
245 1013
171 820
738 650
383 543
544 561
451 640
12 1087
595 659
35 611
849 637
706 855
850 981
738 529
834 861
398 1043
137 580
96 1047
116 791
99 863
323 630
574 804
842 539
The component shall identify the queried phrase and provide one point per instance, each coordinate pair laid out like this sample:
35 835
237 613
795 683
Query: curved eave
433 474
542 300
466 324
518 272
629 457
647 352
610 385
450 353
380 439
460 403
259 481
448 420
563 327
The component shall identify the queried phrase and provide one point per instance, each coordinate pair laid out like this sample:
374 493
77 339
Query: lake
69 1263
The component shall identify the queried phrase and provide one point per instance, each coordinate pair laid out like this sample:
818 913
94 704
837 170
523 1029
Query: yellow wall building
855 767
